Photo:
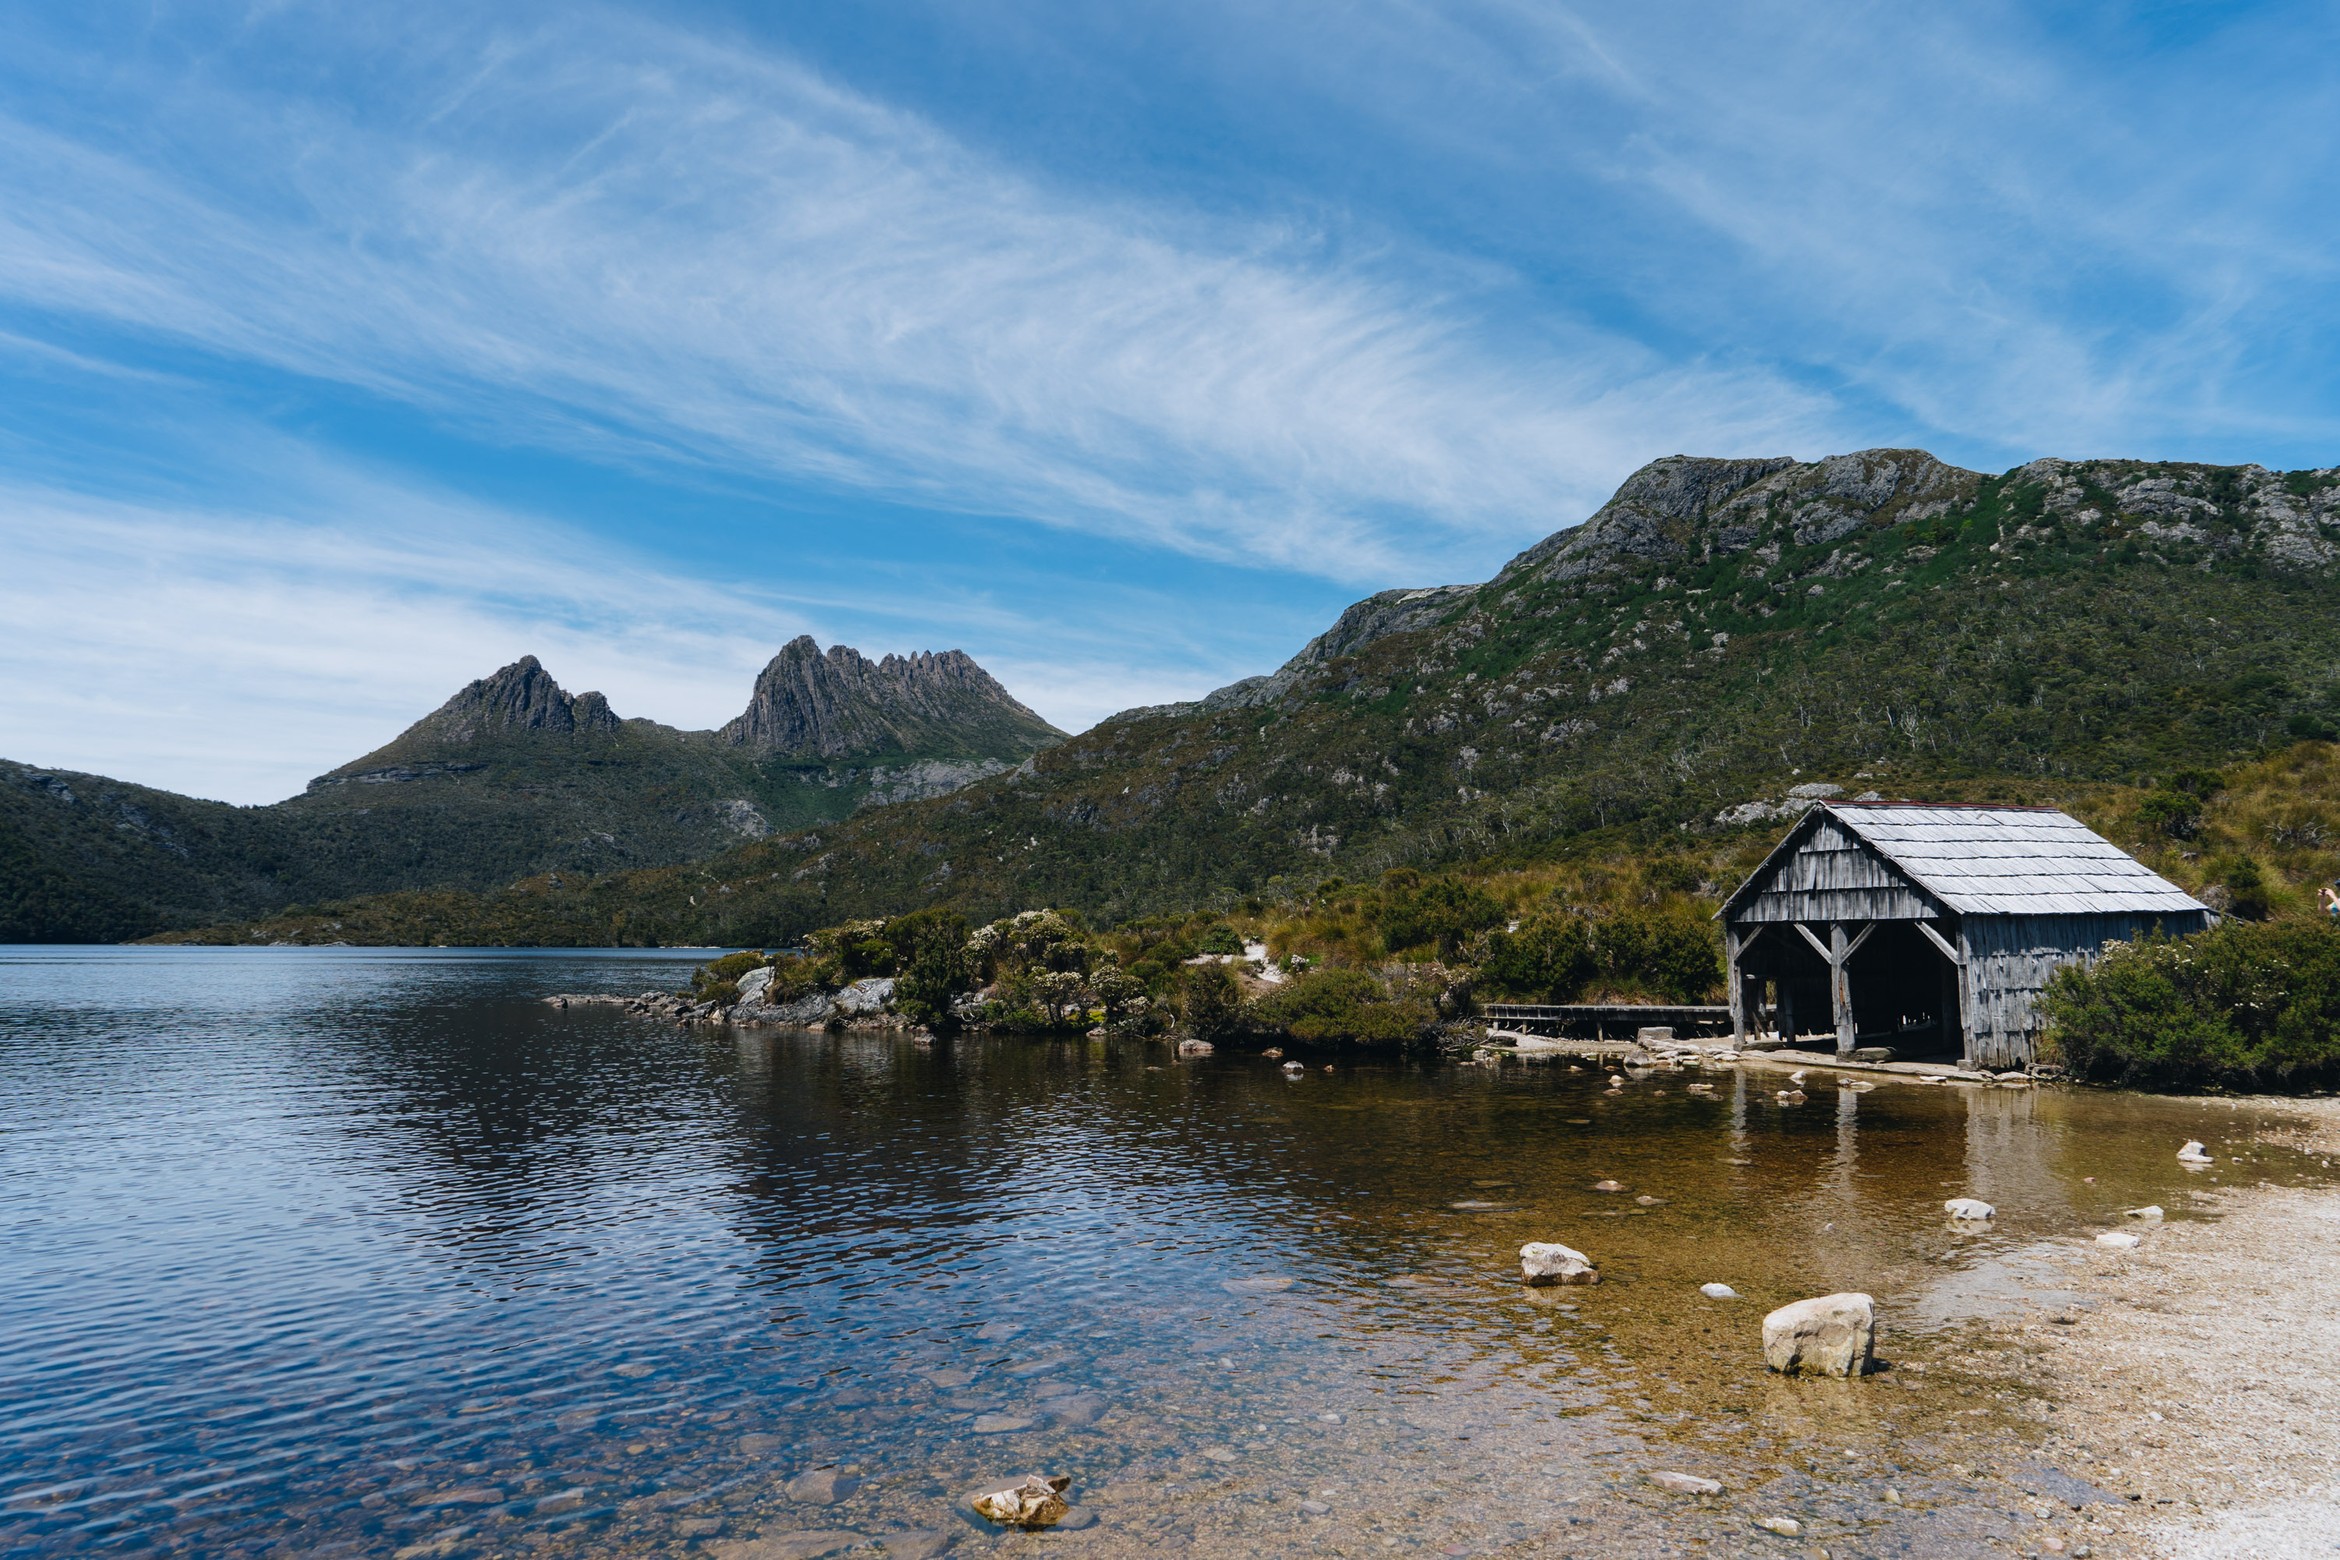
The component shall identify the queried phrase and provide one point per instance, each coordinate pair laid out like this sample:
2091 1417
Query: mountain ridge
511 775
1719 631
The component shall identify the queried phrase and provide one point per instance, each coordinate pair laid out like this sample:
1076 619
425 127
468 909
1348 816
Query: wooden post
1732 948
1840 985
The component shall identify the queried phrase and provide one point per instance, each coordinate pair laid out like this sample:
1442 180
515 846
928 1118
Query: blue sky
347 352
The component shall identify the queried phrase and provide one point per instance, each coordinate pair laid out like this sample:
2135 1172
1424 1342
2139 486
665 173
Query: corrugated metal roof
2011 860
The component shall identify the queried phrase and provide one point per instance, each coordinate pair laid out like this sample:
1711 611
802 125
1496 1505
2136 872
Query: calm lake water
317 1251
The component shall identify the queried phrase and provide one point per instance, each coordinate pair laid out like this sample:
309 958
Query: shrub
1342 1005
1211 1002
1670 953
930 951
718 979
2173 813
2245 885
1221 938
1441 913
1549 959
801 975
2241 1006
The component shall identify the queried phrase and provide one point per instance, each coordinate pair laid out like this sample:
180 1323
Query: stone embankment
865 1004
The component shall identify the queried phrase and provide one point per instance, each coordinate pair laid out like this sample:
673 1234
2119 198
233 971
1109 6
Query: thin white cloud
623 240
235 655
234 652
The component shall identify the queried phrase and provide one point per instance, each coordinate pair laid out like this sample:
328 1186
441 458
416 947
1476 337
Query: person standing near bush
2329 897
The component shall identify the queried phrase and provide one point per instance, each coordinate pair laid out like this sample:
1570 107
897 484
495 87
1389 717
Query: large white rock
1718 1291
2120 1239
1831 1335
755 983
1549 1262
1969 1208
866 996
2193 1154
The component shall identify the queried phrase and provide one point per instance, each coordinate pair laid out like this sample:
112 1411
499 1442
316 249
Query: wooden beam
1854 946
1949 949
1840 986
1818 946
1737 984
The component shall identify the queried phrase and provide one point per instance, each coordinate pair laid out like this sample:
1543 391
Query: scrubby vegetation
2243 1006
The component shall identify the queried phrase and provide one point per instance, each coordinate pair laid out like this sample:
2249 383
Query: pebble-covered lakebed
317 1251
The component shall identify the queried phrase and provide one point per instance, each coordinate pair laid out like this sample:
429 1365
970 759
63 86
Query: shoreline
2199 1374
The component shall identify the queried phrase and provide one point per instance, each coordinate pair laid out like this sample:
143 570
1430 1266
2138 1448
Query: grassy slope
2035 641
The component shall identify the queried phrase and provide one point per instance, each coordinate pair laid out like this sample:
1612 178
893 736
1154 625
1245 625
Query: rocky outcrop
1685 509
837 704
1376 617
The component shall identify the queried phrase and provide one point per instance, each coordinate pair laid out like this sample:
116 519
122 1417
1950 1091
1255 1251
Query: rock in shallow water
1831 1335
1031 1502
822 1486
1549 1262
1785 1527
2193 1154
1684 1483
1718 1291
2151 1213
1003 1424
2119 1239
807 1545
1969 1208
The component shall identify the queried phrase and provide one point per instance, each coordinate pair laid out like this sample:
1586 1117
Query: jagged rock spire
520 697
839 703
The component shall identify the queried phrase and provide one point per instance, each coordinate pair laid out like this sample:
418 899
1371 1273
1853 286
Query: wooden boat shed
1930 931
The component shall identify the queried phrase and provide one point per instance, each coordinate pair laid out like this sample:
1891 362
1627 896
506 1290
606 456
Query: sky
350 352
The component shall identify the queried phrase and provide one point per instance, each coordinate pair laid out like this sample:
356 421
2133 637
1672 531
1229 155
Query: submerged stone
1684 1483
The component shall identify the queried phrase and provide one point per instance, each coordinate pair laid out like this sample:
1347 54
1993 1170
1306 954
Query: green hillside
1719 632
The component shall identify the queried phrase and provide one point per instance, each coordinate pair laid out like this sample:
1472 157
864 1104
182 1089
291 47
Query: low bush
1348 1006
2244 1006
718 979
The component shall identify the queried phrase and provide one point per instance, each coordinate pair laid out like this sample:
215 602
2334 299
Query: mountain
510 777
1719 632
940 707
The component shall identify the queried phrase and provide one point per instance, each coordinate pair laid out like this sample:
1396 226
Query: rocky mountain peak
838 703
519 697
1683 507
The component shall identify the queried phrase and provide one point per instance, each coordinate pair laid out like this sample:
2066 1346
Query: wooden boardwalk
1606 1020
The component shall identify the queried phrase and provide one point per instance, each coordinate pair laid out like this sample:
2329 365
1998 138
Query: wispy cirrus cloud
234 652
622 240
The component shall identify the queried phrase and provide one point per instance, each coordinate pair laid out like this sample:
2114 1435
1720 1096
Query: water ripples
318 1251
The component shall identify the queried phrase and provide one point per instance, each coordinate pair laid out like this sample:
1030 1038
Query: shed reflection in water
361 1252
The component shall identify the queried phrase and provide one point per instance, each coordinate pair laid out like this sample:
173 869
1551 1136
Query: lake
342 1251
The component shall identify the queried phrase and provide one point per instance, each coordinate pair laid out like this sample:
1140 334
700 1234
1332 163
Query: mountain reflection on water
372 1252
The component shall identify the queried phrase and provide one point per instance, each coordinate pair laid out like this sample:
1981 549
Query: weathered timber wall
1832 876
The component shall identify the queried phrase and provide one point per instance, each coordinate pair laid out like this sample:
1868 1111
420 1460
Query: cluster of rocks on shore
864 1004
